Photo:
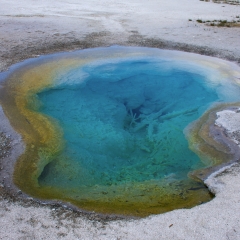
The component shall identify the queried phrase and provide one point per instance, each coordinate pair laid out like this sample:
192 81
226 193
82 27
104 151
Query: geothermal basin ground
29 29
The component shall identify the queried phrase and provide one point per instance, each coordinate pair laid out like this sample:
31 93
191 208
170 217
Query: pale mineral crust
30 28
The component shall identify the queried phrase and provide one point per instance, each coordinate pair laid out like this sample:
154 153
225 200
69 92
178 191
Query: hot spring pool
105 129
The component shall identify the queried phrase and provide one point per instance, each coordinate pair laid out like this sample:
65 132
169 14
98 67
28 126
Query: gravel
5 145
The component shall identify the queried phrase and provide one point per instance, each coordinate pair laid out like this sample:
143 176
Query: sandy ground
29 28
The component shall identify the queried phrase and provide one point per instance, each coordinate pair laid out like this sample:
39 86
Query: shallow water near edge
105 127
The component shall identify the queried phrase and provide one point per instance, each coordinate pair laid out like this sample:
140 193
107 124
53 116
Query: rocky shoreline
5 145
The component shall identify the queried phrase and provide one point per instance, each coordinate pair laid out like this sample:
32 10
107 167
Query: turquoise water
105 128
123 123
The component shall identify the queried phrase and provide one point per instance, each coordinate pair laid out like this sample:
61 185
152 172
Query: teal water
124 123
104 128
